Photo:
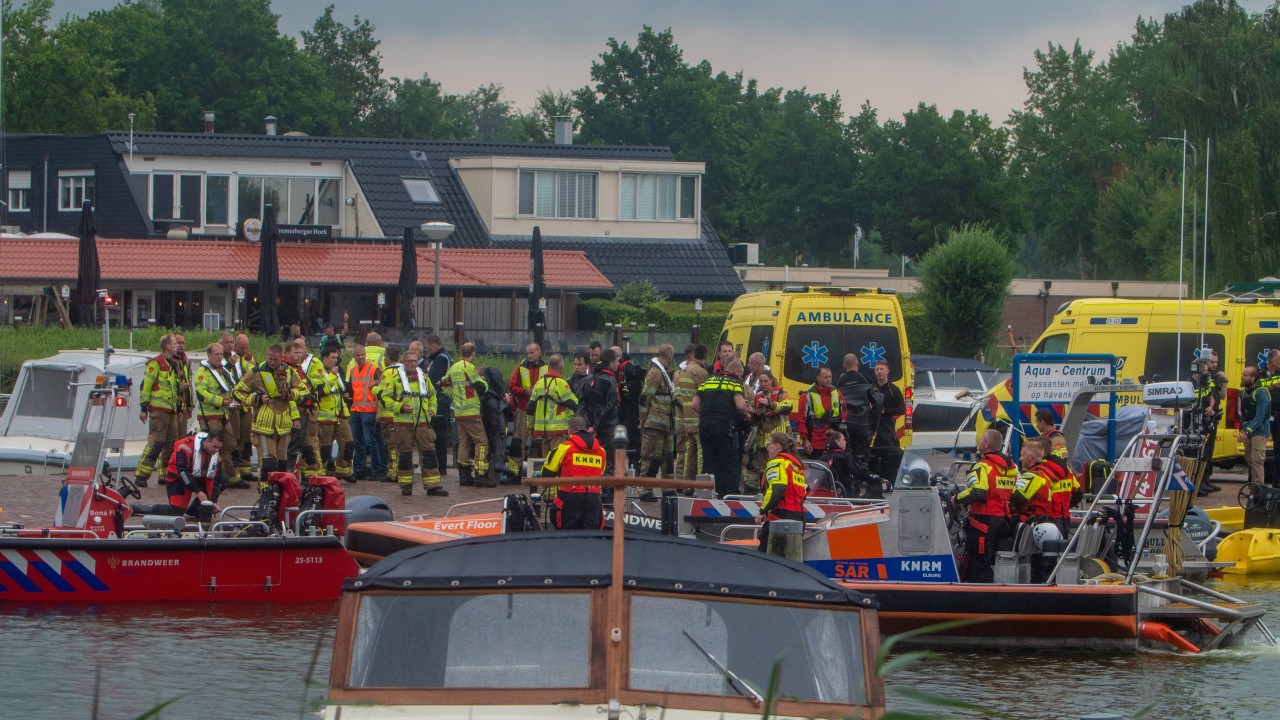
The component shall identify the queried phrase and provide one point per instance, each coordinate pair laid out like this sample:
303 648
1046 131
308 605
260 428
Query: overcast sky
966 54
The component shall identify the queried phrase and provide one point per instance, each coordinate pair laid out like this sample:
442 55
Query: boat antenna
1182 252
1204 263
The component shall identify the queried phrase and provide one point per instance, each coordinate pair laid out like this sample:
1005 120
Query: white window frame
583 208
77 181
662 201
234 209
19 191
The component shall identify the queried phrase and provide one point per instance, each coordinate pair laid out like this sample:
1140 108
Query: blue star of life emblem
814 354
764 348
872 354
1262 357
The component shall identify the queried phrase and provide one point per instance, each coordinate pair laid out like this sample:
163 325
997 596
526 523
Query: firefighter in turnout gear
551 404
688 379
186 395
465 386
406 392
657 408
577 507
309 368
770 410
783 484
270 388
523 378
990 483
159 401
241 364
214 404
332 414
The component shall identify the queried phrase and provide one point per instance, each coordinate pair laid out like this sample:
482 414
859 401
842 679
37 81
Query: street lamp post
436 232
697 327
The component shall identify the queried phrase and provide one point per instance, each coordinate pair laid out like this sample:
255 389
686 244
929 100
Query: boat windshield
472 641
712 647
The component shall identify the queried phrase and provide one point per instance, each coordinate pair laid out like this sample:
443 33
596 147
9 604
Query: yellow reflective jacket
272 394
212 386
403 386
551 404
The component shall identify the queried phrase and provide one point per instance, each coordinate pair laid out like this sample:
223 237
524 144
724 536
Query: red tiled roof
50 259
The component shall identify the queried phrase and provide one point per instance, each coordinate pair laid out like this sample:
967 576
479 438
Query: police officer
551 404
159 401
719 404
987 490
784 486
577 507
214 403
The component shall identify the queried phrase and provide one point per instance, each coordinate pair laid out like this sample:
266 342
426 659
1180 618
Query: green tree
484 115
801 171
1073 135
415 109
964 283
352 65
927 173
55 81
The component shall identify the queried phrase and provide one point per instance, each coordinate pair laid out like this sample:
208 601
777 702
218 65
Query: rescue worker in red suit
784 487
820 407
1064 487
577 507
194 475
990 483
1032 497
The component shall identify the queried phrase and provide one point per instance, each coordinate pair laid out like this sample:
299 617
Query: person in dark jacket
436 365
893 406
495 411
601 401
630 386
581 373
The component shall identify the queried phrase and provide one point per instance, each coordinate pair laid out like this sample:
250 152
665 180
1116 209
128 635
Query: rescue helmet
1045 533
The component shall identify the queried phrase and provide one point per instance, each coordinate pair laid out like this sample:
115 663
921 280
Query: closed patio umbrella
408 279
537 286
88 271
269 273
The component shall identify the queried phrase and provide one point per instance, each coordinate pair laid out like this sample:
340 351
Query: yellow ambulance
1143 335
800 329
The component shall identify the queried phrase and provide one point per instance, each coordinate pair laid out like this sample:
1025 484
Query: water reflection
1230 684
226 661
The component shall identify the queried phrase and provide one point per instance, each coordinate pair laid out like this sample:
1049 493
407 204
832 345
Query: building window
650 196
557 194
217 189
297 200
420 190
74 188
20 191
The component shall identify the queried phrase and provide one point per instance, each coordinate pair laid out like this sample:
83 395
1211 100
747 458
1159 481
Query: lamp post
436 232
1182 242
382 301
697 327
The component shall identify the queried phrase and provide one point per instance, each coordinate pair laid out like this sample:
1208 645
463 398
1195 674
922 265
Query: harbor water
255 661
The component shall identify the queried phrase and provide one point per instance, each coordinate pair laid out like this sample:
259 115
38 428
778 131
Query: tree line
1083 181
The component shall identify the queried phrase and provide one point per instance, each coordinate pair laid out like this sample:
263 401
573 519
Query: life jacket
821 410
400 386
212 385
997 475
1062 484
1034 487
201 466
577 457
784 474
363 381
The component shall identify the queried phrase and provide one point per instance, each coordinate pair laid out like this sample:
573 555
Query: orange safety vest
362 384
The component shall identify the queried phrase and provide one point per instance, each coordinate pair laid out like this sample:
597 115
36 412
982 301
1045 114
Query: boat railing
229 508
238 526
473 503
297 522
1238 614
876 513
728 530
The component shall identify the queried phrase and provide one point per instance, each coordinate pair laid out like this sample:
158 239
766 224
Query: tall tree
415 109
351 62
55 82
964 283
927 174
1072 137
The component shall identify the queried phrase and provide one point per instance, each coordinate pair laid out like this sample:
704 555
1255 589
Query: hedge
668 316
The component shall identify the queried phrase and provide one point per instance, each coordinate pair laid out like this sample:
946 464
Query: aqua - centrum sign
1056 381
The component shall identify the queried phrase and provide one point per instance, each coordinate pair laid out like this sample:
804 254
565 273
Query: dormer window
420 190
557 194
653 196
74 188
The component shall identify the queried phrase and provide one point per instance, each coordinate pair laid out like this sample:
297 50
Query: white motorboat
39 424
